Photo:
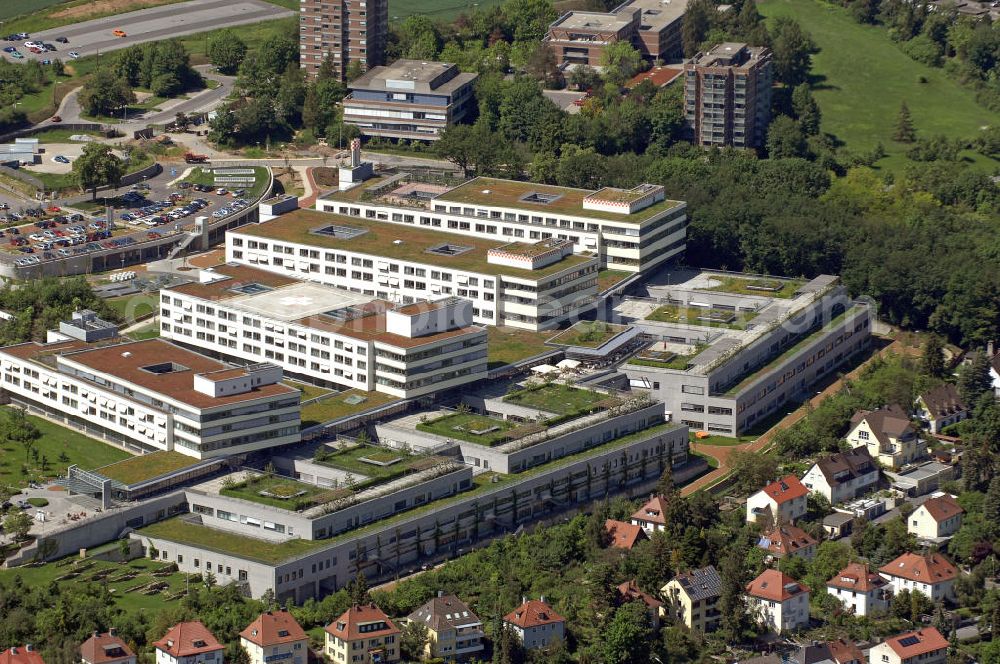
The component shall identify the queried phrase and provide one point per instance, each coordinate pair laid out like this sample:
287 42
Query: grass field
55 441
140 468
435 9
57 135
336 407
133 307
863 77
556 398
463 426
510 344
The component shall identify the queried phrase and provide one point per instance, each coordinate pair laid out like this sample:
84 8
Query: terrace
282 492
664 359
707 317
588 334
478 429
182 531
328 408
398 242
146 467
561 399
781 288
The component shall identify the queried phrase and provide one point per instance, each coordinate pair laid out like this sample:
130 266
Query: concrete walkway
722 453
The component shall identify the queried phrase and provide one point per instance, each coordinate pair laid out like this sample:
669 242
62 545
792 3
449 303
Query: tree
413 641
17 523
932 359
904 133
227 51
105 93
97 167
806 109
627 637
695 25
620 61
507 648
543 66
791 47
785 139
17 428
734 577
974 378
357 589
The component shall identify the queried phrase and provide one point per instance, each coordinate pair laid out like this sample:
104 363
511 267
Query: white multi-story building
861 590
779 602
634 230
154 395
327 335
534 286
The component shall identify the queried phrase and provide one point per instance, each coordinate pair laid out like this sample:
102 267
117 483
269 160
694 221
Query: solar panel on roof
908 641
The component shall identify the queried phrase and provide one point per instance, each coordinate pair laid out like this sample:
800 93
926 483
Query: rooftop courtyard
560 399
146 467
588 334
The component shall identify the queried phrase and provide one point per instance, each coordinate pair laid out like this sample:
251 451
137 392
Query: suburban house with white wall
108 648
692 598
536 625
787 540
843 476
932 574
861 590
940 407
363 633
652 516
778 602
275 636
938 516
923 646
889 436
782 501
189 643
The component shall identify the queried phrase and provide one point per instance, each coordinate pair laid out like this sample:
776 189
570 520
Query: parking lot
43 234
98 35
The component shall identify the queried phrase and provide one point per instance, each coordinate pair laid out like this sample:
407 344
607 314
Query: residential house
536 624
188 643
454 632
889 436
829 652
693 598
843 476
938 516
838 524
363 633
925 646
780 602
843 651
652 516
784 500
788 540
275 636
106 648
861 590
630 592
994 370
940 407
21 655
932 574
623 535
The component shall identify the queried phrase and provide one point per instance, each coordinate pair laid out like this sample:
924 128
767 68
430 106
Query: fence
31 131
22 176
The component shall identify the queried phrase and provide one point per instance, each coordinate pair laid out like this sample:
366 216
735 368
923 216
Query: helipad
299 300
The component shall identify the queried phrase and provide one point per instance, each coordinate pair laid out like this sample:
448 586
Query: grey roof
846 466
704 583
446 611
943 401
837 519
414 76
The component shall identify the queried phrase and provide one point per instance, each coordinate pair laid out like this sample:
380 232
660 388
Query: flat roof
511 194
396 242
596 21
146 467
658 14
308 303
419 74
126 361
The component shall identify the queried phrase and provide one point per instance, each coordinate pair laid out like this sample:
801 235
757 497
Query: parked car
73 54
9 49
17 55
119 33
62 40
57 118
61 159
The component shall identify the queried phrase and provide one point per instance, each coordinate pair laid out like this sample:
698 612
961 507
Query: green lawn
140 468
253 34
151 331
671 313
61 135
609 278
251 548
352 460
335 407
283 492
435 9
55 441
134 307
45 15
863 77
308 391
510 344
462 426
124 590
678 362
588 334
763 287
556 398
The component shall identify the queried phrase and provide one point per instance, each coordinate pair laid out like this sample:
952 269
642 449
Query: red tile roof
658 76
942 508
785 489
858 577
775 586
186 639
920 642
624 535
654 511
630 591
348 625
21 655
844 652
932 568
273 628
104 648
786 540
533 613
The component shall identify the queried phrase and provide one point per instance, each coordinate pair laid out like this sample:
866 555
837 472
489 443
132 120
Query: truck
193 158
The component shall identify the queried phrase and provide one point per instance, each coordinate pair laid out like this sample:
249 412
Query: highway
185 18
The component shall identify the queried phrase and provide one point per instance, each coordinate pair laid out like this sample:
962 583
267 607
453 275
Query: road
185 18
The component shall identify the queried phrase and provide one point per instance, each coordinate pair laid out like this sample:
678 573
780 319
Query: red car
55 208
